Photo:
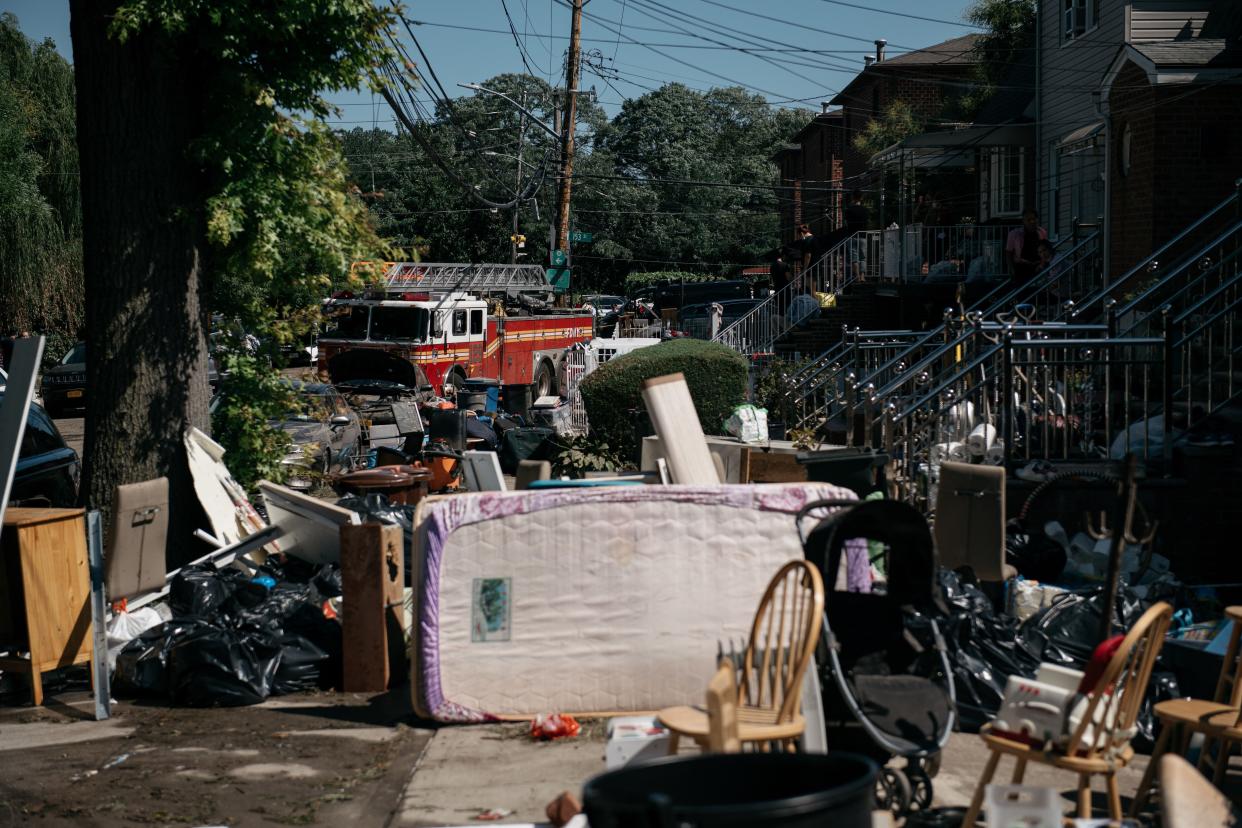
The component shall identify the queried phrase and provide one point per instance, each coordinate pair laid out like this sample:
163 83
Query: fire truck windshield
388 323
348 322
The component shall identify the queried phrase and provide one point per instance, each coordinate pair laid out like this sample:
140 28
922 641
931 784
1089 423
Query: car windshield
348 322
75 356
310 407
392 323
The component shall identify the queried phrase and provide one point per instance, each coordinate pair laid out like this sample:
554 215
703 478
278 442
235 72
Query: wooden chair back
1188 800
1228 684
722 728
782 640
1108 722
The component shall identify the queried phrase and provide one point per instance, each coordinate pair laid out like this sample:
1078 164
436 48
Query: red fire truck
432 324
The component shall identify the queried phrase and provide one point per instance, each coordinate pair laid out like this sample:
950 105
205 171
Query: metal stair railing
1226 211
945 342
759 329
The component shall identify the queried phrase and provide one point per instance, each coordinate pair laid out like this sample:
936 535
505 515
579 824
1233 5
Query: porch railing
951 252
758 330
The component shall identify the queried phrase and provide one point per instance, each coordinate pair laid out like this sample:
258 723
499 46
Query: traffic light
519 240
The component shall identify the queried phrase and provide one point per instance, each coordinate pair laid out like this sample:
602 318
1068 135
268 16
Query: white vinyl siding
1068 70
1152 20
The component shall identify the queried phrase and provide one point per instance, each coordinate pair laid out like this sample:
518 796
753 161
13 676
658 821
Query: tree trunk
139 108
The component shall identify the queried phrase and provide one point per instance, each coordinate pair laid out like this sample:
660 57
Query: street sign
581 236
558 277
558 258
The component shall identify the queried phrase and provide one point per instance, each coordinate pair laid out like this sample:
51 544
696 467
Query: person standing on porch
1022 247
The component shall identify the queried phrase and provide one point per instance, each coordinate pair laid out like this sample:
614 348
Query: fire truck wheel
545 380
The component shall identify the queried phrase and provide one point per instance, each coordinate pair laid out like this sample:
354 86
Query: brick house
925 79
810 174
1138 102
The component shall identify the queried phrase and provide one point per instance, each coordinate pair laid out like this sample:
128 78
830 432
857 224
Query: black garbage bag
310 623
1036 556
1068 631
218 666
375 507
300 665
201 591
984 649
328 581
142 664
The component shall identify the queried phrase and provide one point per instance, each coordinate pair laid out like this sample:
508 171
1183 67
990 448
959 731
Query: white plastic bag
748 423
126 626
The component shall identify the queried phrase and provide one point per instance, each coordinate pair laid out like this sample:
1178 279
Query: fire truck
425 324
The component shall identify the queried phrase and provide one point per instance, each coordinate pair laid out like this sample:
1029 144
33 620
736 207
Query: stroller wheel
930 764
920 786
892 791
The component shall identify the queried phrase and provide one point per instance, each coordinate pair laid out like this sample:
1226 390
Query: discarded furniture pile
816 639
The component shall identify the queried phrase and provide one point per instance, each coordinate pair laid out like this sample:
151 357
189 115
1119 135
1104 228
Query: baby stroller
884 669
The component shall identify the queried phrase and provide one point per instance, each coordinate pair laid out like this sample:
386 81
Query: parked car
326 433
64 386
47 470
602 304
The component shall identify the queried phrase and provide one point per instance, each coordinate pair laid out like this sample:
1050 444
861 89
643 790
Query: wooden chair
782 642
1100 744
1187 799
722 711
1180 719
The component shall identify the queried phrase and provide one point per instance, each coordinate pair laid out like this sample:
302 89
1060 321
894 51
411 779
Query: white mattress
602 600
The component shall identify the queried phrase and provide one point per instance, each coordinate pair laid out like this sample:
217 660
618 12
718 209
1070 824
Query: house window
1006 181
1078 17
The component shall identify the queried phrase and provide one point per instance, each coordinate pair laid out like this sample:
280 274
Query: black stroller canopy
911 566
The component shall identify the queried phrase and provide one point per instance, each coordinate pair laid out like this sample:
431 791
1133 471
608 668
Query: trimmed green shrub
716 374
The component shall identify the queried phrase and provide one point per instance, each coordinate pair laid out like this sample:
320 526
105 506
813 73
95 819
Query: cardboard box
634 739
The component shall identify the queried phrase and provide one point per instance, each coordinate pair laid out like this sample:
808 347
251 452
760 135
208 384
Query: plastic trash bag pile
236 638
987 647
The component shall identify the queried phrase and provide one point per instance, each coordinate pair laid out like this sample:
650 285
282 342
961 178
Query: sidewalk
326 759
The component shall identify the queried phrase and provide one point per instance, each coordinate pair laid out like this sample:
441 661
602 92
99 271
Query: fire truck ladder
510 279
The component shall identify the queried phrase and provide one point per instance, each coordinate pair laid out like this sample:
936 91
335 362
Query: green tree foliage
40 209
897 122
281 220
1008 37
279 215
723 136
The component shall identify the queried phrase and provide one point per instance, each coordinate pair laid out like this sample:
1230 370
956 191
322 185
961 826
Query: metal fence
1023 399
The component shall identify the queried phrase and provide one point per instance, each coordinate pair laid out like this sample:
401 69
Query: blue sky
838 33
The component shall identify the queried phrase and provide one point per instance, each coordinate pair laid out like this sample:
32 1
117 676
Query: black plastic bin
480 394
515 399
790 790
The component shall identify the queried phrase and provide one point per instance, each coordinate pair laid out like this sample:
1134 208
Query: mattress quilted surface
591 601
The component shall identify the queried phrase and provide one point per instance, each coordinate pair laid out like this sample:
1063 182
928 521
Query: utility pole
513 254
567 128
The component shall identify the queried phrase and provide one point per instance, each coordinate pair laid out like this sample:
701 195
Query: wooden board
677 424
372 581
